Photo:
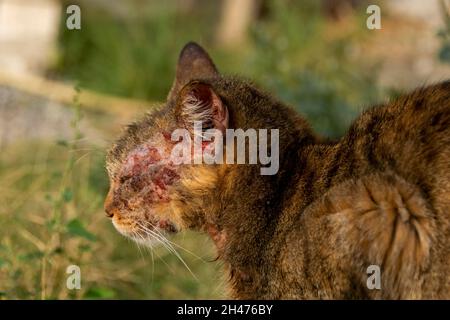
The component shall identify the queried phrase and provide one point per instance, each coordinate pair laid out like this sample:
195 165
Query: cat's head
152 190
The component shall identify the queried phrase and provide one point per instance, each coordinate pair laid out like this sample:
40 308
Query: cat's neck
255 208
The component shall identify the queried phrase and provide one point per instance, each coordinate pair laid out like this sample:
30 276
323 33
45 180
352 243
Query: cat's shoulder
408 110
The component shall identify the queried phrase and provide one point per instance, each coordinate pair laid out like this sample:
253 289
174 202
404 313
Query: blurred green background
314 55
286 50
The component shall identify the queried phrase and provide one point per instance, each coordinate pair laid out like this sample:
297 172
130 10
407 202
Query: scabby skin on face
149 169
145 177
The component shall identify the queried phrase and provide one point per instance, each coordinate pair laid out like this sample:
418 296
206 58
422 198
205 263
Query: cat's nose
109 211
109 205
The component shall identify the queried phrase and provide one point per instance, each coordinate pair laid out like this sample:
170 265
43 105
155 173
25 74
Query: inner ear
198 102
193 64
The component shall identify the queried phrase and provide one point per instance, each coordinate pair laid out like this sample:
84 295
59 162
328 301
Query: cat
379 197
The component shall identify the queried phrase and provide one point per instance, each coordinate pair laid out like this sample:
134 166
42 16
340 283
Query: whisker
138 246
188 251
148 249
167 245
165 263
83 156
182 248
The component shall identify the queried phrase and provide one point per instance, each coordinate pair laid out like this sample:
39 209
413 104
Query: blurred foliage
295 56
290 53
131 55
444 35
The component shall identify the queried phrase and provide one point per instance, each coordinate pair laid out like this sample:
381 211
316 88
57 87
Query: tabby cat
379 197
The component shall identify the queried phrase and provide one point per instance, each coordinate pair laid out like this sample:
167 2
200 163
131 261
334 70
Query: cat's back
383 199
410 135
409 140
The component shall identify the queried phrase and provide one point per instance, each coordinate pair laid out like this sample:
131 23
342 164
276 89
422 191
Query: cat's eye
124 178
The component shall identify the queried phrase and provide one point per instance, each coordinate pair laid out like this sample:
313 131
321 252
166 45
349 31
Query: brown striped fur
380 195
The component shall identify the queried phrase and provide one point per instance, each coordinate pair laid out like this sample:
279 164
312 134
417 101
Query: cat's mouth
144 232
139 219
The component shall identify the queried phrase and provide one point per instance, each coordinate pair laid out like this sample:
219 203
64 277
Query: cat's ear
193 63
197 101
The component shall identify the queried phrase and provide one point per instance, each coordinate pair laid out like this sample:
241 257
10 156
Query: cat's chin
150 235
150 242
